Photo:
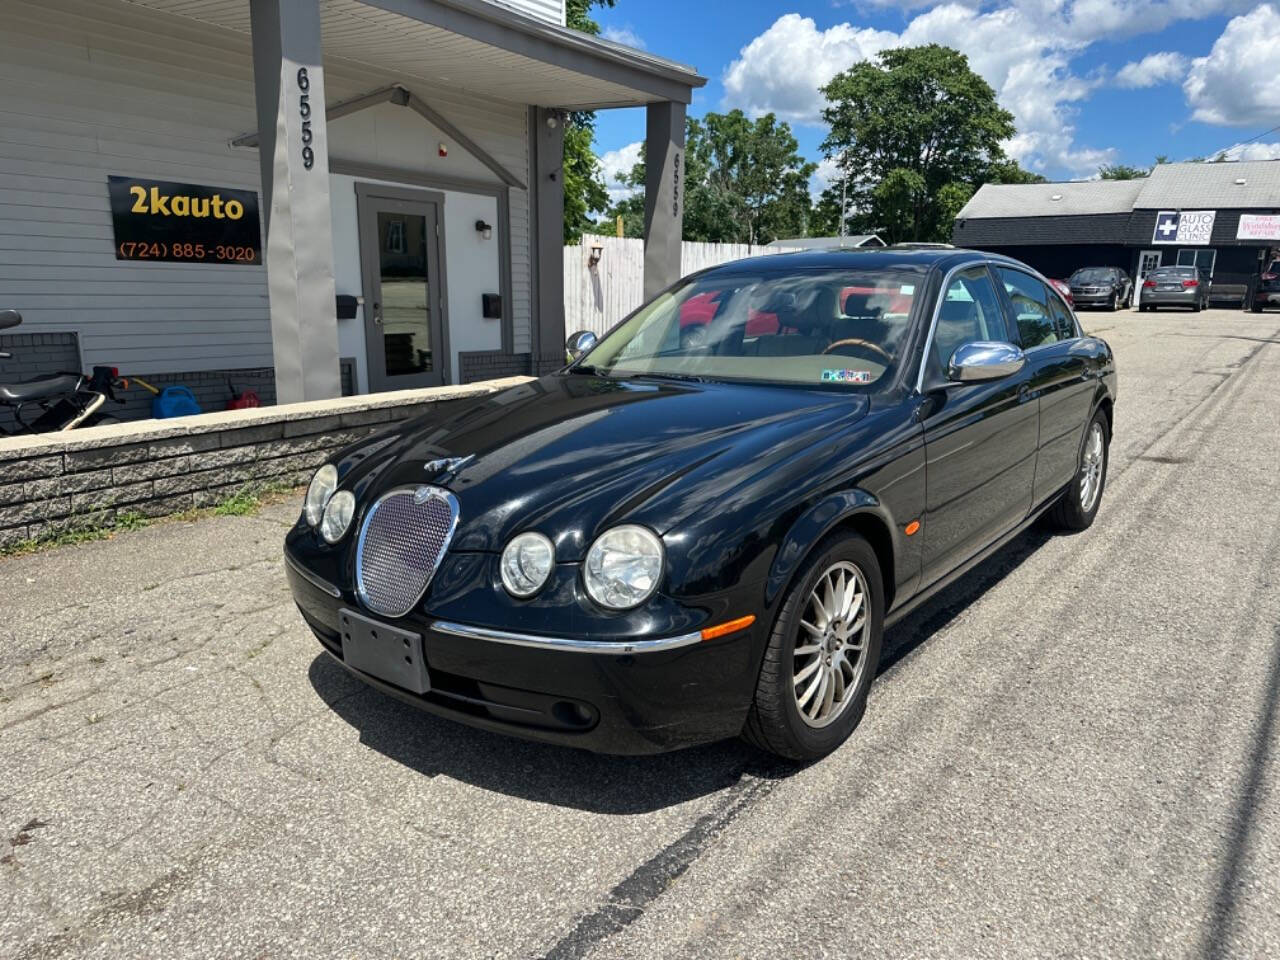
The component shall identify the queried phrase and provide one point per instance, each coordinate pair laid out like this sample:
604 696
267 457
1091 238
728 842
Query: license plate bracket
383 651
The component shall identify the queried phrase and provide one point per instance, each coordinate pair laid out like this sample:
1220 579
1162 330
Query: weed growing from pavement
245 502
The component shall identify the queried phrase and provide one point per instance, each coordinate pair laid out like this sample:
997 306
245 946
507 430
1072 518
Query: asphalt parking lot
1073 752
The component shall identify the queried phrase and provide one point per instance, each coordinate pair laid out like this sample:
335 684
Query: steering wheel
858 342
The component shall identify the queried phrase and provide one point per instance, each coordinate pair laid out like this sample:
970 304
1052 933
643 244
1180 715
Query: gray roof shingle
1211 186
1038 199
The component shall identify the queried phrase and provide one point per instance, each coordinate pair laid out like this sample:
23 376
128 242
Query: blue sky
1089 81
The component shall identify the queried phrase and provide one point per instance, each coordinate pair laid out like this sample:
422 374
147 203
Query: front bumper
636 697
1092 299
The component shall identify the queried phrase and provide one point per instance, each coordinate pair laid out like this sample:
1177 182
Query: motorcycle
64 401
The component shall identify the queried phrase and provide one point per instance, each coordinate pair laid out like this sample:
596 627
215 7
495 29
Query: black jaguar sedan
675 540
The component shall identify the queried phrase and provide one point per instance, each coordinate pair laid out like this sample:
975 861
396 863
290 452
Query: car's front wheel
1078 504
822 654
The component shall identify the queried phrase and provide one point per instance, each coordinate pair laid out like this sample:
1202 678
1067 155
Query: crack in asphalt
627 901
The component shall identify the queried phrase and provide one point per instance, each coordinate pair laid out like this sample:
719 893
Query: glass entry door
404 296
1148 260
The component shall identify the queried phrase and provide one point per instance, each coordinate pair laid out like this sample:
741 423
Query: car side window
1036 324
969 312
1063 324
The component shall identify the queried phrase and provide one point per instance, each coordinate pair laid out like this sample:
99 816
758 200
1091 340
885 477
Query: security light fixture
484 229
597 251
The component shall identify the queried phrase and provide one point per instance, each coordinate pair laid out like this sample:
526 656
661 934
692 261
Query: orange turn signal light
731 626
912 527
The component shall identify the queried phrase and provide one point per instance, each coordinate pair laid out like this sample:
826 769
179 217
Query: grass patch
85 531
245 502
242 503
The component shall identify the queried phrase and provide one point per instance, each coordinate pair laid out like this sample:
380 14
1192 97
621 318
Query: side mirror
579 343
9 318
985 360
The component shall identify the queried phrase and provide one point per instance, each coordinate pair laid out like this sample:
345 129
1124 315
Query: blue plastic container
174 402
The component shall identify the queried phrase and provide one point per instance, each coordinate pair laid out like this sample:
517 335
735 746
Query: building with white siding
403 155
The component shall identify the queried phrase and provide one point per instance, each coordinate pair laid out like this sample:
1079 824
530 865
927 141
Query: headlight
318 493
623 567
527 563
337 515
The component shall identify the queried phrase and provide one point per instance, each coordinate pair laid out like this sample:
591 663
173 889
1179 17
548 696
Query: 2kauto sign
184 222
1189 228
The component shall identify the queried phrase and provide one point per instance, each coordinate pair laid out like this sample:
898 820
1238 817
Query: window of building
395 236
1202 260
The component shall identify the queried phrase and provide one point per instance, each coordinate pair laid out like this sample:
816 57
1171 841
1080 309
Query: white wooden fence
597 297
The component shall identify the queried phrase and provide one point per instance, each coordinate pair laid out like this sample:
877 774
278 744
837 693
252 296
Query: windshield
1092 275
843 328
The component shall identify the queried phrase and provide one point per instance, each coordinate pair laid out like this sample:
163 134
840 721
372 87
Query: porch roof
478 46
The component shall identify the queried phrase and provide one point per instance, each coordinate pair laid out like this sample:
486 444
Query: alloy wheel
1091 468
830 653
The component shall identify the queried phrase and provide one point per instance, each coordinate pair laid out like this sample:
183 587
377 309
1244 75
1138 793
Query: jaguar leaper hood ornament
447 464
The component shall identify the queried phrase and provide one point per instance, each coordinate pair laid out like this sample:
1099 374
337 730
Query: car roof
877 258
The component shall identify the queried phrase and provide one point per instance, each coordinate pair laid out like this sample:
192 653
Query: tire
1115 302
1074 511
774 722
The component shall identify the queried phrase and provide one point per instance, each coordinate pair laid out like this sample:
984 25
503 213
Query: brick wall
487 364
210 388
88 477
35 355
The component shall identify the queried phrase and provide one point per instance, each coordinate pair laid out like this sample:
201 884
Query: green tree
1008 171
584 189
911 132
744 182
1122 171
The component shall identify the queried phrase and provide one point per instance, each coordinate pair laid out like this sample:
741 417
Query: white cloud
1253 151
781 70
615 164
1024 48
1153 70
624 35
1236 83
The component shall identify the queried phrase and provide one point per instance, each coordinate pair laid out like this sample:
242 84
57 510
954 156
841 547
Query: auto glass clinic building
1223 217
304 196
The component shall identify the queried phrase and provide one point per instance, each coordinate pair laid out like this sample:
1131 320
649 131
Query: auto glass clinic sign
184 222
1192 228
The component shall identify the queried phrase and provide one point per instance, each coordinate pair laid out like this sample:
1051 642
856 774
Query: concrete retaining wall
54 482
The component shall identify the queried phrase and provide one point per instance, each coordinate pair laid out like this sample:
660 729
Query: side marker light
912 527
732 626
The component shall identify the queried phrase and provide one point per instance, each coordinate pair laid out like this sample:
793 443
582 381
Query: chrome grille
402 541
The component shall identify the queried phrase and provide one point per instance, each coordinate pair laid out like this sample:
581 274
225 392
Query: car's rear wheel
822 654
1079 503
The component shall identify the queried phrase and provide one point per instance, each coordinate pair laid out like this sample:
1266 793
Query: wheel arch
854 511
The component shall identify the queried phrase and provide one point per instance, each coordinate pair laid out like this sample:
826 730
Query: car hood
571 454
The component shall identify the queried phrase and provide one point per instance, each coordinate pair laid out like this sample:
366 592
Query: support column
663 196
293 148
546 140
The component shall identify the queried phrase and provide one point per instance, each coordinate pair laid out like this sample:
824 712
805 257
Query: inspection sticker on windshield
846 376
907 290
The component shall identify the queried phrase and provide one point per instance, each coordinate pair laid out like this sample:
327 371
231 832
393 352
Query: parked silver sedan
1175 287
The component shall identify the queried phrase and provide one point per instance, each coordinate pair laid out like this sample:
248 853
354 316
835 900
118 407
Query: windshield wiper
689 377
